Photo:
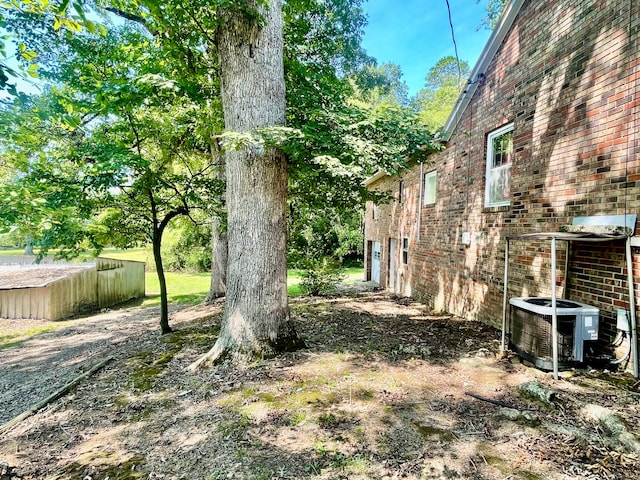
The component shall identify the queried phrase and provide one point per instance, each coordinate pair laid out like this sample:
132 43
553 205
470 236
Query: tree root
494 402
214 299
213 356
53 397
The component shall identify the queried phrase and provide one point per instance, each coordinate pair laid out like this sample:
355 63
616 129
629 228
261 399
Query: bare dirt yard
384 390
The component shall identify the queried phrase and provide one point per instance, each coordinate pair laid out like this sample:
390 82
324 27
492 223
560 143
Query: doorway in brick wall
392 272
376 255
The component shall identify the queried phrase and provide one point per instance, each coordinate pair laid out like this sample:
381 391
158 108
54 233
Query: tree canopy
126 148
494 9
133 127
443 85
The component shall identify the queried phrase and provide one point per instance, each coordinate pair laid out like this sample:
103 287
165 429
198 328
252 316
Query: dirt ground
384 390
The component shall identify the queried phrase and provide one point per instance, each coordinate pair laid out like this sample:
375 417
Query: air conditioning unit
530 330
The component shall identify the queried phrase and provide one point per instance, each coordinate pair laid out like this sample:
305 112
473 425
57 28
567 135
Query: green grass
354 274
138 254
188 288
11 252
294 277
192 288
183 288
15 339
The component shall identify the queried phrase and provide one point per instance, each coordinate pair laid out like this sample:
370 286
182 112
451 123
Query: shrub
321 276
187 247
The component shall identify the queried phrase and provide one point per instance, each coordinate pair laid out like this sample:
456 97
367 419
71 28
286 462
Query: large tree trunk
28 249
256 319
219 247
219 256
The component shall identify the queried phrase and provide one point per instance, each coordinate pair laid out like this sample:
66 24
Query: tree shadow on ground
379 392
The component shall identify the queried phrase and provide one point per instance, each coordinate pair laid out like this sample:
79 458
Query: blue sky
415 34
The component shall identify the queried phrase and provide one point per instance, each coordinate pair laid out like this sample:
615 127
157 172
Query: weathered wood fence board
119 281
109 282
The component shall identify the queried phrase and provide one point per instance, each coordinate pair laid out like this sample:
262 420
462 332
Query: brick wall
396 220
568 76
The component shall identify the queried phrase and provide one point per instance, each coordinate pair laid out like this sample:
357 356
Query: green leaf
29 55
79 10
63 7
32 71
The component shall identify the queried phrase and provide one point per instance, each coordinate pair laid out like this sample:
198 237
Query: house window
429 188
499 159
405 251
376 212
401 191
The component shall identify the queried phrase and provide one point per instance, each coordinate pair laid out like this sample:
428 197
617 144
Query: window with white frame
499 159
405 251
376 212
429 192
401 191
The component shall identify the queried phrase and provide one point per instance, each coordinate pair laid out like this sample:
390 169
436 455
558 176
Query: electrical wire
455 45
627 353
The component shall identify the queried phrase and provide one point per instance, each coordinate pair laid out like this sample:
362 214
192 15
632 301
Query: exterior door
375 262
392 264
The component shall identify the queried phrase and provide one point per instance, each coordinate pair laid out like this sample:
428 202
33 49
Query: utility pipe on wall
554 314
503 345
566 270
420 200
632 308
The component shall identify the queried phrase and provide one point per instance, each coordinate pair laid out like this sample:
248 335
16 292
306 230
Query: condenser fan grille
530 330
531 337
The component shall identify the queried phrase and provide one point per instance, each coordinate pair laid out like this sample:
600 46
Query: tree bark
219 246
219 255
164 303
256 320
156 241
28 249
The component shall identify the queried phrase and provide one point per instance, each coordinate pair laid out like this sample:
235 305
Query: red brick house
548 129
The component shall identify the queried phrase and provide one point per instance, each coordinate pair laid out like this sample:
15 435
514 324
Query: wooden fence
108 283
118 281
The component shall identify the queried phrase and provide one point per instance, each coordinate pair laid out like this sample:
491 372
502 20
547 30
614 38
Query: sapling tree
128 155
145 94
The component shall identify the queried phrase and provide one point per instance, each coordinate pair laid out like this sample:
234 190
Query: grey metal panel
628 221
521 302
569 236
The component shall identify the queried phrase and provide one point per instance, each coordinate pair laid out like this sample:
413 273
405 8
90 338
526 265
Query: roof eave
380 174
477 74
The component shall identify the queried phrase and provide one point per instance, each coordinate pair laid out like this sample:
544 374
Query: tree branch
172 214
138 144
200 27
134 18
